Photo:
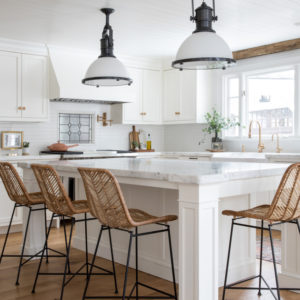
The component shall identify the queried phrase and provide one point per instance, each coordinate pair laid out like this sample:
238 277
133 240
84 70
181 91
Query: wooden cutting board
134 136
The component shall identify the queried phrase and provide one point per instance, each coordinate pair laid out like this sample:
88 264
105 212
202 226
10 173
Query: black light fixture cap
204 17
107 41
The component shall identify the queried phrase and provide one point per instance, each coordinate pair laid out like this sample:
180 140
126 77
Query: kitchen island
195 190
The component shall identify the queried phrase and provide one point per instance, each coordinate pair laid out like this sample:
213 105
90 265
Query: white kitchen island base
198 192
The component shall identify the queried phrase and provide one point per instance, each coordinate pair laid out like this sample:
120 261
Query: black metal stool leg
92 264
261 254
42 256
23 247
86 246
298 225
228 258
113 260
8 230
274 262
66 242
45 217
127 266
136 265
67 260
172 262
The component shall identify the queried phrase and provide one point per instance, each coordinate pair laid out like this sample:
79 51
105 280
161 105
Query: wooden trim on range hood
267 49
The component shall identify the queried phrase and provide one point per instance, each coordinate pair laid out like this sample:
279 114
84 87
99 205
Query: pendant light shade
107 70
204 49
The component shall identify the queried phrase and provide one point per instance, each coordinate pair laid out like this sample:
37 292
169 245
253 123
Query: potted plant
25 149
215 124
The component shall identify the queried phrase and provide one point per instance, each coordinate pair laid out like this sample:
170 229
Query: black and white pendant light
107 70
204 49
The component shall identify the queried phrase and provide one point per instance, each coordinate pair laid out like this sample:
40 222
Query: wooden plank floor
48 287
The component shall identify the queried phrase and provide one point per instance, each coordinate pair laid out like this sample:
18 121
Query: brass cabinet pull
143 114
24 108
19 107
177 113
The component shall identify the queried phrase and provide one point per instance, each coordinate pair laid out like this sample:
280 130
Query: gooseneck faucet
260 146
278 149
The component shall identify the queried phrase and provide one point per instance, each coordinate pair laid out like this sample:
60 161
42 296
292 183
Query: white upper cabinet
146 93
34 87
23 87
187 96
151 98
10 87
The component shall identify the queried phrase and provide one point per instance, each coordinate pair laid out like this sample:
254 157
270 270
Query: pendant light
204 49
107 70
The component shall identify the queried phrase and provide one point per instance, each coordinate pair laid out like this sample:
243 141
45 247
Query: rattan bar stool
18 193
58 201
285 208
108 205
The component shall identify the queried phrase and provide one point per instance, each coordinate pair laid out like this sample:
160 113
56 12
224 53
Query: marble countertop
174 170
28 157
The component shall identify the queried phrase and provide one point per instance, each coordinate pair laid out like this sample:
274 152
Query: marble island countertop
174 170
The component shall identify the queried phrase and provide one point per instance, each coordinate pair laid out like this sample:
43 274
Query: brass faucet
278 149
261 146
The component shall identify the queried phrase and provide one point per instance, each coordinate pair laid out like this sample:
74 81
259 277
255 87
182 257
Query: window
75 128
266 97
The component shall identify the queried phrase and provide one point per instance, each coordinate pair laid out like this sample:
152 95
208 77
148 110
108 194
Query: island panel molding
267 49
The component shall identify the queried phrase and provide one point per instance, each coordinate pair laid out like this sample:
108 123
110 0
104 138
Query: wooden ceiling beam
267 49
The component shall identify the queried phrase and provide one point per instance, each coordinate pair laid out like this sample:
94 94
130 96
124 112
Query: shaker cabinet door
151 96
171 102
10 92
34 87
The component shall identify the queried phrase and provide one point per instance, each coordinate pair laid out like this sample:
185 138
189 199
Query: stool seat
78 207
33 198
258 212
140 217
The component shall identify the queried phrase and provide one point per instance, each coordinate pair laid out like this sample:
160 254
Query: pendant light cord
193 12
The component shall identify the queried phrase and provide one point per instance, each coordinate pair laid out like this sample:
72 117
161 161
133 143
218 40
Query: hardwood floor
48 287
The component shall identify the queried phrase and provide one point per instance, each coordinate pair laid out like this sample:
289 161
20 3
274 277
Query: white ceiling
146 27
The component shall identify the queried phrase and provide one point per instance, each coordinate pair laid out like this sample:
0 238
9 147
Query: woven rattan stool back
13 184
56 197
105 198
286 202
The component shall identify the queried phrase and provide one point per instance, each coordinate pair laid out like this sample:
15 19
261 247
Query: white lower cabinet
146 108
187 96
23 87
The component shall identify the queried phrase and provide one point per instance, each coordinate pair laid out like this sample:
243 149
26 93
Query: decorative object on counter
60 147
215 124
104 120
149 144
11 140
278 149
143 140
204 49
243 148
107 70
134 139
260 146
25 150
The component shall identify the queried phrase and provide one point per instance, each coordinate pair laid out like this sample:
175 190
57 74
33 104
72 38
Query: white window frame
244 98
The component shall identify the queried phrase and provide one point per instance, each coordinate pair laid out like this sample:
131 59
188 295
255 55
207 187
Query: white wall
40 135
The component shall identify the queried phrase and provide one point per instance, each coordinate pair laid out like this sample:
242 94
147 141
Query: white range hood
67 69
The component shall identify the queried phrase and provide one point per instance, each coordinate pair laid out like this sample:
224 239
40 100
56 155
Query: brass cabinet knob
24 108
143 114
177 113
19 107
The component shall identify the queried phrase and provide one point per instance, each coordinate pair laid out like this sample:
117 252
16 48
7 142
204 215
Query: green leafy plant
26 144
135 144
216 123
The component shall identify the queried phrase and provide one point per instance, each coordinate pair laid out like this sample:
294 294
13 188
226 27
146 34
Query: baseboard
289 281
238 272
152 266
14 228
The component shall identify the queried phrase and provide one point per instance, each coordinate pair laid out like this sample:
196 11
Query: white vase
25 151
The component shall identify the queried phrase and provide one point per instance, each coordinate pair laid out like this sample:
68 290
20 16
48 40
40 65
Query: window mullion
297 101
